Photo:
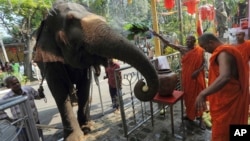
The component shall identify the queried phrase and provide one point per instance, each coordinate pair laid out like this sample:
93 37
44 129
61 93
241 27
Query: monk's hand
200 102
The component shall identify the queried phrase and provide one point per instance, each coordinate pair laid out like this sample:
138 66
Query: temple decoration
169 4
191 5
207 12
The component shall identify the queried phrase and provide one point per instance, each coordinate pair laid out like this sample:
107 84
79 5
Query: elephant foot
76 136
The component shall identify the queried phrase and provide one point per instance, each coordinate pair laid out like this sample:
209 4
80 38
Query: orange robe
244 49
230 104
192 61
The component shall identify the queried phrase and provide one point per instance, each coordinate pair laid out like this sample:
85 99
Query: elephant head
84 39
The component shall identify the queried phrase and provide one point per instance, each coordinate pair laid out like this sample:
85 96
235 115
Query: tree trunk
28 57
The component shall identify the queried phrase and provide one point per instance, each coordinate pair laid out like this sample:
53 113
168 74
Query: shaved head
240 36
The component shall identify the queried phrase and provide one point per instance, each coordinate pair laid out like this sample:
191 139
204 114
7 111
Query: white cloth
21 69
163 63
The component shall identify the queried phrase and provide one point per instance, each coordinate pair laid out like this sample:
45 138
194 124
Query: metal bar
43 126
25 109
4 104
182 110
31 125
138 125
125 128
99 90
151 112
172 118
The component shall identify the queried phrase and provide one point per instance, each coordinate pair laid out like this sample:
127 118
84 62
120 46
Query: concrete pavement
107 124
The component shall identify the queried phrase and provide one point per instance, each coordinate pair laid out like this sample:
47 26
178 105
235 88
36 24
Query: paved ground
109 128
107 124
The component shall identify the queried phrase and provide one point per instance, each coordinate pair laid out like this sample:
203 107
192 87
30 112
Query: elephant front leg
83 113
60 87
76 133
72 130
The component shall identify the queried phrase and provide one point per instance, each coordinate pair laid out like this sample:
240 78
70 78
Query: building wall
13 51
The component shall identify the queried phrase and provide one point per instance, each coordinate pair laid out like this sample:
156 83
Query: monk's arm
225 61
182 49
177 47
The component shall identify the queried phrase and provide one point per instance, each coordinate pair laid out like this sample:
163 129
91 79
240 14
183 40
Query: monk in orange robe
193 74
243 45
192 85
244 48
227 92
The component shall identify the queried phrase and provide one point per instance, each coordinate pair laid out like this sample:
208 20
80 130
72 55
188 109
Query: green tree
21 18
120 12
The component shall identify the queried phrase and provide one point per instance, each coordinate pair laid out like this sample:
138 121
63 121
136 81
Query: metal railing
26 120
134 112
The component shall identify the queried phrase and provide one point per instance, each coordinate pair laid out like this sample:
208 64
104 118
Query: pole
155 28
214 20
99 89
4 51
180 21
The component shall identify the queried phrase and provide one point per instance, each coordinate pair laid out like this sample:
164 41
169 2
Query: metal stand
98 85
27 118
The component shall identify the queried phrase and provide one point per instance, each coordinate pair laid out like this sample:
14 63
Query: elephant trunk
108 43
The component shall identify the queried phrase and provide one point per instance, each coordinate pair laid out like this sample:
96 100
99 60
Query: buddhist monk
227 91
243 45
244 48
193 74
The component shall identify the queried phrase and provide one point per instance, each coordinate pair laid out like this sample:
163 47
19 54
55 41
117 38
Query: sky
3 31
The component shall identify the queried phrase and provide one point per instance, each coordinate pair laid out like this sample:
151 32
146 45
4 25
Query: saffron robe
229 105
244 49
192 61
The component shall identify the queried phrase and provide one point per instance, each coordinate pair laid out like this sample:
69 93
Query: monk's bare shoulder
227 64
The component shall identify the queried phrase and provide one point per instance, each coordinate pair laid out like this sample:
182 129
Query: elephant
69 42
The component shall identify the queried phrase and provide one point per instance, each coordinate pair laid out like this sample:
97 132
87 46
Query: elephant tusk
145 88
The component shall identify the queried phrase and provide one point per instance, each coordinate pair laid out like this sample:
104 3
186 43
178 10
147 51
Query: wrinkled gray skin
83 39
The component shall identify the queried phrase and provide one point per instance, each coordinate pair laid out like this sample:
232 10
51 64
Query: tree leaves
135 29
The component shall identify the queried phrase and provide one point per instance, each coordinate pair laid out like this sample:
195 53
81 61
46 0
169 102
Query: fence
134 112
9 132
